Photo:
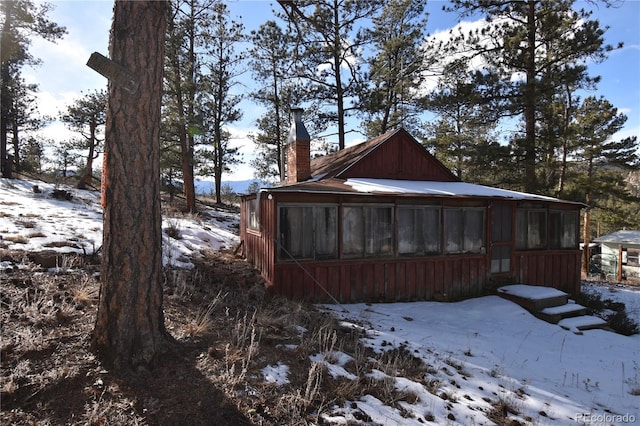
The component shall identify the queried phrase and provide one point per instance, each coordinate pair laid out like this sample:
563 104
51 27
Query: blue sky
64 74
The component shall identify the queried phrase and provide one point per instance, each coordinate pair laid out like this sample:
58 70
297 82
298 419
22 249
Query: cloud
444 37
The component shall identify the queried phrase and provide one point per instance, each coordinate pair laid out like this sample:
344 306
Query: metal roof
620 237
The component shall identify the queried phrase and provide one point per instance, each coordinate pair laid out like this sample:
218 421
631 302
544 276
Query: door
501 245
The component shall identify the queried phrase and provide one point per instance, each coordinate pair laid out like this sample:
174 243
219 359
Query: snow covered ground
32 220
488 349
478 354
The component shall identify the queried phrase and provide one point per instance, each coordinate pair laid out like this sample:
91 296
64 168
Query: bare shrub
203 322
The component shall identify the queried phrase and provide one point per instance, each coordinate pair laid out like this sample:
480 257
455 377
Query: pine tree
270 61
187 37
601 164
23 116
463 136
541 43
86 117
397 68
218 106
22 20
328 53
129 330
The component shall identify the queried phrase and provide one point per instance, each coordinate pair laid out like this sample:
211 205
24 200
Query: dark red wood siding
443 278
559 269
405 159
259 245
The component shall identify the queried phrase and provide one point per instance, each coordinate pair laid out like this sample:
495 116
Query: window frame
633 257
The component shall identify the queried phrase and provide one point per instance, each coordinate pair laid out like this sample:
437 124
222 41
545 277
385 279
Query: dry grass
226 329
16 239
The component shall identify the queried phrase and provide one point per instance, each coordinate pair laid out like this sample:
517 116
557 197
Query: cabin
620 255
384 220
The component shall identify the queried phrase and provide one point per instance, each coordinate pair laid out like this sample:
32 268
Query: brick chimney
298 150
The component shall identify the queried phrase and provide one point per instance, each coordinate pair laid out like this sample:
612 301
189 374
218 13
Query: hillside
240 357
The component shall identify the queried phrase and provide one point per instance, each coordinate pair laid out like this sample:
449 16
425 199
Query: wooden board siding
445 278
405 159
259 248
558 269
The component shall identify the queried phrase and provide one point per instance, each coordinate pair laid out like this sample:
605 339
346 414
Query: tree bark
586 250
5 98
129 330
87 173
530 98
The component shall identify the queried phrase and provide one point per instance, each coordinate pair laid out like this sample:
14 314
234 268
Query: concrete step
533 298
582 323
556 313
551 305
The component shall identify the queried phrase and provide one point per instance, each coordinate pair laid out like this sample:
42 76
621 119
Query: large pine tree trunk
129 329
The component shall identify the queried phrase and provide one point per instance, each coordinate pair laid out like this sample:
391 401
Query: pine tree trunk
87 173
586 251
129 330
530 98
5 97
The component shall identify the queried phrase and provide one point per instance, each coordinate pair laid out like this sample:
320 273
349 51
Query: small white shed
621 254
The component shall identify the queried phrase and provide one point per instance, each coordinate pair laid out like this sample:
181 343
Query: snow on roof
625 236
438 188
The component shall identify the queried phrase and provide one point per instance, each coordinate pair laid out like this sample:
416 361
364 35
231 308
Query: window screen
563 228
418 230
464 230
308 232
531 229
367 231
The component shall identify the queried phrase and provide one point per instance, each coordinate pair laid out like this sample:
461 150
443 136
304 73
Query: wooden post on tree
129 330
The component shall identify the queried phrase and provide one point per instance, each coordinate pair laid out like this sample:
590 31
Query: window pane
537 230
296 232
352 231
570 230
253 215
473 230
501 223
454 230
555 230
379 230
500 259
407 232
431 230
326 228
522 229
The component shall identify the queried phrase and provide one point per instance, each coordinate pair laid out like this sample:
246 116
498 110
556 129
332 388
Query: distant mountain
206 187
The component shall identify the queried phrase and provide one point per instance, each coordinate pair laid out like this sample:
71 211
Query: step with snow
552 305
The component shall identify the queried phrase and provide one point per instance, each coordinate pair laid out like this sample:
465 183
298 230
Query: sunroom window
308 232
531 229
464 230
367 231
418 230
254 219
563 229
